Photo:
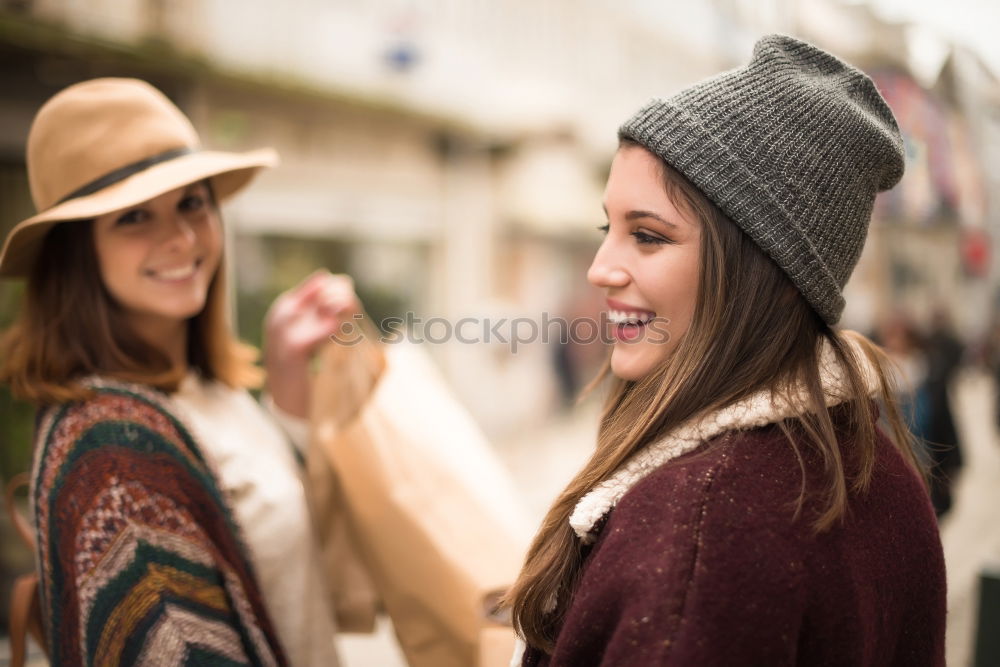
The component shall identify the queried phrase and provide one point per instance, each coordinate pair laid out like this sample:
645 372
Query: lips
620 312
629 320
175 273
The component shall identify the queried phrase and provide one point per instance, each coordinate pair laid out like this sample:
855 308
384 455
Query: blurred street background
450 156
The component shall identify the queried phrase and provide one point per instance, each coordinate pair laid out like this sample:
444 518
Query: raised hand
297 324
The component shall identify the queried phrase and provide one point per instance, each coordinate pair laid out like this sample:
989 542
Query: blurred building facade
453 151
450 154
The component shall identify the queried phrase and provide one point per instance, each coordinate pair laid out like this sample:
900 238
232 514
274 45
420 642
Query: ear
789 294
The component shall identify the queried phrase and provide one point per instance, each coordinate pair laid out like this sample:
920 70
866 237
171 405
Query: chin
628 367
184 312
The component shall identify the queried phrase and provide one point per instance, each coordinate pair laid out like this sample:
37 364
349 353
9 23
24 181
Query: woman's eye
642 238
132 217
604 228
192 203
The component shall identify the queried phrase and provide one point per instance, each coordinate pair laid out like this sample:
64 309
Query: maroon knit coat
704 562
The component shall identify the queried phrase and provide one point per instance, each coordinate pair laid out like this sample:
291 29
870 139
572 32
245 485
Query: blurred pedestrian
944 357
742 506
989 356
170 513
578 350
902 343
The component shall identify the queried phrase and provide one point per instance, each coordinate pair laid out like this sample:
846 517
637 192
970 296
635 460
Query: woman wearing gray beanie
742 505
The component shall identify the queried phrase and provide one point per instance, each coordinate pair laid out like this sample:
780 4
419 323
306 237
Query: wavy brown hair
751 330
70 327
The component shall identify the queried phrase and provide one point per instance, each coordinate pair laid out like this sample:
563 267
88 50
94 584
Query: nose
179 232
606 270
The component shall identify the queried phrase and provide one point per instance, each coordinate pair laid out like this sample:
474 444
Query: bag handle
20 523
25 603
25 618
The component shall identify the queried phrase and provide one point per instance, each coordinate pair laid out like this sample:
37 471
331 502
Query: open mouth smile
629 323
175 274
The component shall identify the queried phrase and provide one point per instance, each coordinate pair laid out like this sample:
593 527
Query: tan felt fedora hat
107 144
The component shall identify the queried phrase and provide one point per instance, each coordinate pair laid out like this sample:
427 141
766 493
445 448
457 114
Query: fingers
323 298
337 295
310 289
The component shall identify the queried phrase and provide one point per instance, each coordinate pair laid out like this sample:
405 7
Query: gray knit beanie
793 148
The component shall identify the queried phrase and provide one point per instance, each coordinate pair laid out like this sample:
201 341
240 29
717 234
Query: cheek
687 287
672 288
113 261
213 241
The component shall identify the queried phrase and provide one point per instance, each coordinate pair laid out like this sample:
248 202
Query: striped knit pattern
792 148
140 557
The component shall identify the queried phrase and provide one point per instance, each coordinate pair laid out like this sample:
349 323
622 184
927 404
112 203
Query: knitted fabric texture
792 148
708 561
754 411
140 557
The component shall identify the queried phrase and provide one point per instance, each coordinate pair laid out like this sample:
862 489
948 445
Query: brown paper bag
338 396
431 507
352 593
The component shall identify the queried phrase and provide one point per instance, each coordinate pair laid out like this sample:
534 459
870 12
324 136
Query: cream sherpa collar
756 410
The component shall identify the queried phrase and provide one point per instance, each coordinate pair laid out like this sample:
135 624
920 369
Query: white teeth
177 274
623 317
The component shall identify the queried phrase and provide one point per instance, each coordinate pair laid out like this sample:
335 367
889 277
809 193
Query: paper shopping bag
341 395
431 507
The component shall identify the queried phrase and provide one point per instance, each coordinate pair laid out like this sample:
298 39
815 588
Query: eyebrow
640 214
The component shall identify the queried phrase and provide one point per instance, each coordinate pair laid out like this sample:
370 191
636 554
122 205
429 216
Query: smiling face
648 264
158 259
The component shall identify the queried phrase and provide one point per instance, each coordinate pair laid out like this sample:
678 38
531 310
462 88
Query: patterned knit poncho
140 557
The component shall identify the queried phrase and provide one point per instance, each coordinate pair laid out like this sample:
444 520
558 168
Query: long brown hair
70 327
751 330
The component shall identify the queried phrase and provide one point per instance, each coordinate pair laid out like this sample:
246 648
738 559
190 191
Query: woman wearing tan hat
170 514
